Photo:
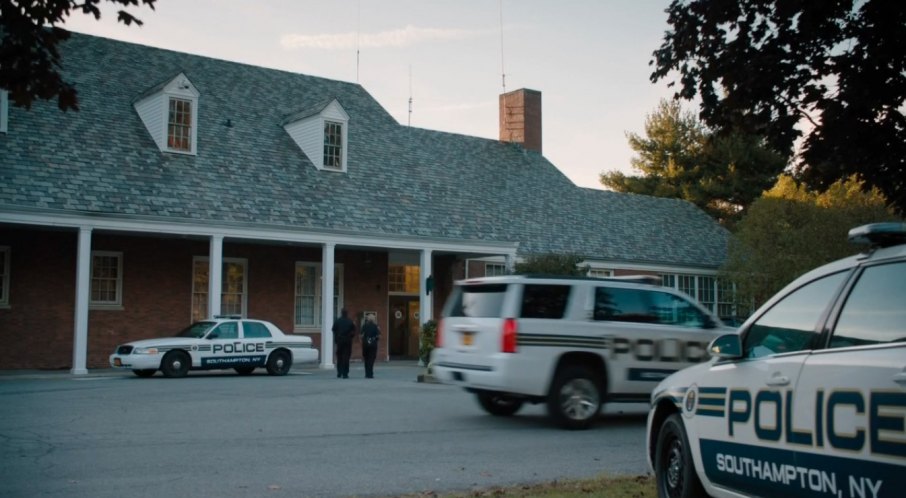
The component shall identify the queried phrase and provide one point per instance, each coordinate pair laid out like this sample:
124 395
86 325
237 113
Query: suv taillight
438 334
508 342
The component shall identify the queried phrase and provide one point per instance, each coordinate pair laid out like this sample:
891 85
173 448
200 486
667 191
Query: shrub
426 344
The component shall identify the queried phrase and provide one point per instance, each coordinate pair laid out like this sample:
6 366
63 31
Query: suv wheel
498 404
575 398
673 466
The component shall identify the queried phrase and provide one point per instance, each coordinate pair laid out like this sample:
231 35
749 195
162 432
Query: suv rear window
544 301
478 301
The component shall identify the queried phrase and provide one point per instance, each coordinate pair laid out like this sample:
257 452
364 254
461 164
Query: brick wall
38 324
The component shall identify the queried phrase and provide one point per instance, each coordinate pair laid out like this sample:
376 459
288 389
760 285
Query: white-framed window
106 279
494 269
599 273
4 111
170 114
307 313
180 123
333 145
4 276
322 133
234 287
713 293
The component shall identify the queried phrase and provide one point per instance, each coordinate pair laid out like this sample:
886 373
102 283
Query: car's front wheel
498 404
144 373
279 363
673 466
575 398
175 364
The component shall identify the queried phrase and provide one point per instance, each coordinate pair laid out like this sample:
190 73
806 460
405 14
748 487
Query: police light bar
879 234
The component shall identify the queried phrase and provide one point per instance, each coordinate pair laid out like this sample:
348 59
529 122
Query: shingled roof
401 181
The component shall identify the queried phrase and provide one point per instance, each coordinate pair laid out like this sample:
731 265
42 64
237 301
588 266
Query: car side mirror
709 323
212 336
727 347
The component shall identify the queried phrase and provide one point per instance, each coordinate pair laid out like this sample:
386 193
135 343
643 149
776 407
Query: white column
425 308
215 275
510 261
83 290
327 318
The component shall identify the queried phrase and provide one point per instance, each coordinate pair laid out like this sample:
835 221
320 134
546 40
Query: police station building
187 187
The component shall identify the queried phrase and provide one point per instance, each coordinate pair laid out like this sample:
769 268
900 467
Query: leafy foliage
29 60
791 230
551 264
679 158
833 71
428 340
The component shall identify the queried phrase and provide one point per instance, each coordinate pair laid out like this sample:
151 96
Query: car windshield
197 330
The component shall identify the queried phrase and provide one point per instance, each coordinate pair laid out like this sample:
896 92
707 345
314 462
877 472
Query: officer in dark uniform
343 332
370 335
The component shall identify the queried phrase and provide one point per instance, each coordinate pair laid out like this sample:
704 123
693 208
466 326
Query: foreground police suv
572 343
808 401
220 343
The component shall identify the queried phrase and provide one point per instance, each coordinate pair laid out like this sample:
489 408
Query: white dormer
170 112
321 133
4 110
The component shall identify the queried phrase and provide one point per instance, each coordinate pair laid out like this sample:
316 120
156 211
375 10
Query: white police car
808 401
220 343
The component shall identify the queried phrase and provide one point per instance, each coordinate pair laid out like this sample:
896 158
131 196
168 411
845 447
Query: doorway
404 327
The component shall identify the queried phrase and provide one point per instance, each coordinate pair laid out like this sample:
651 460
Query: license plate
117 362
467 338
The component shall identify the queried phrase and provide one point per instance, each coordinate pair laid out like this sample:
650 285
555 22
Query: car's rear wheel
175 364
244 370
575 398
673 466
279 363
144 373
498 404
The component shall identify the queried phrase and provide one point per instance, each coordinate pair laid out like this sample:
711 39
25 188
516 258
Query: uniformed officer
370 335
343 332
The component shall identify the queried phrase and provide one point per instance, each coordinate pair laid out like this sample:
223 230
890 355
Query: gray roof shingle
401 181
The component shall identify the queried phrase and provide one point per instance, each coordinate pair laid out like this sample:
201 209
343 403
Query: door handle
900 378
778 380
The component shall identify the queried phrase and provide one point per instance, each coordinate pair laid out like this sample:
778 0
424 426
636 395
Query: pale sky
588 58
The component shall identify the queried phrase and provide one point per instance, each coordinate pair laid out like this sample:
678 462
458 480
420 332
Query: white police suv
808 401
220 343
572 343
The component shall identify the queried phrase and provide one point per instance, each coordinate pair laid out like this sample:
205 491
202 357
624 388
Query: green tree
833 72
679 157
551 264
29 60
791 230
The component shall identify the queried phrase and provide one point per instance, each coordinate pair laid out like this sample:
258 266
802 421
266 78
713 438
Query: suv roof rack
635 279
879 234
228 317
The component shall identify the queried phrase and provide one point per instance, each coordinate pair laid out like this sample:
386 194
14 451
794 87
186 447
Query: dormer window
321 132
333 145
179 125
170 113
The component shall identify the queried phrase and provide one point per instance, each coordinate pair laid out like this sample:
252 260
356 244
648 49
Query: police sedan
808 401
219 343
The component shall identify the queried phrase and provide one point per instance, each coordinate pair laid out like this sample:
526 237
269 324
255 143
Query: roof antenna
502 70
409 123
358 31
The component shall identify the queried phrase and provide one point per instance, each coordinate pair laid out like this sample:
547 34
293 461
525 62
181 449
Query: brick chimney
520 118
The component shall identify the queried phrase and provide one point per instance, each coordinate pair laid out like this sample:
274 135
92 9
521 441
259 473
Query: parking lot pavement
395 369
